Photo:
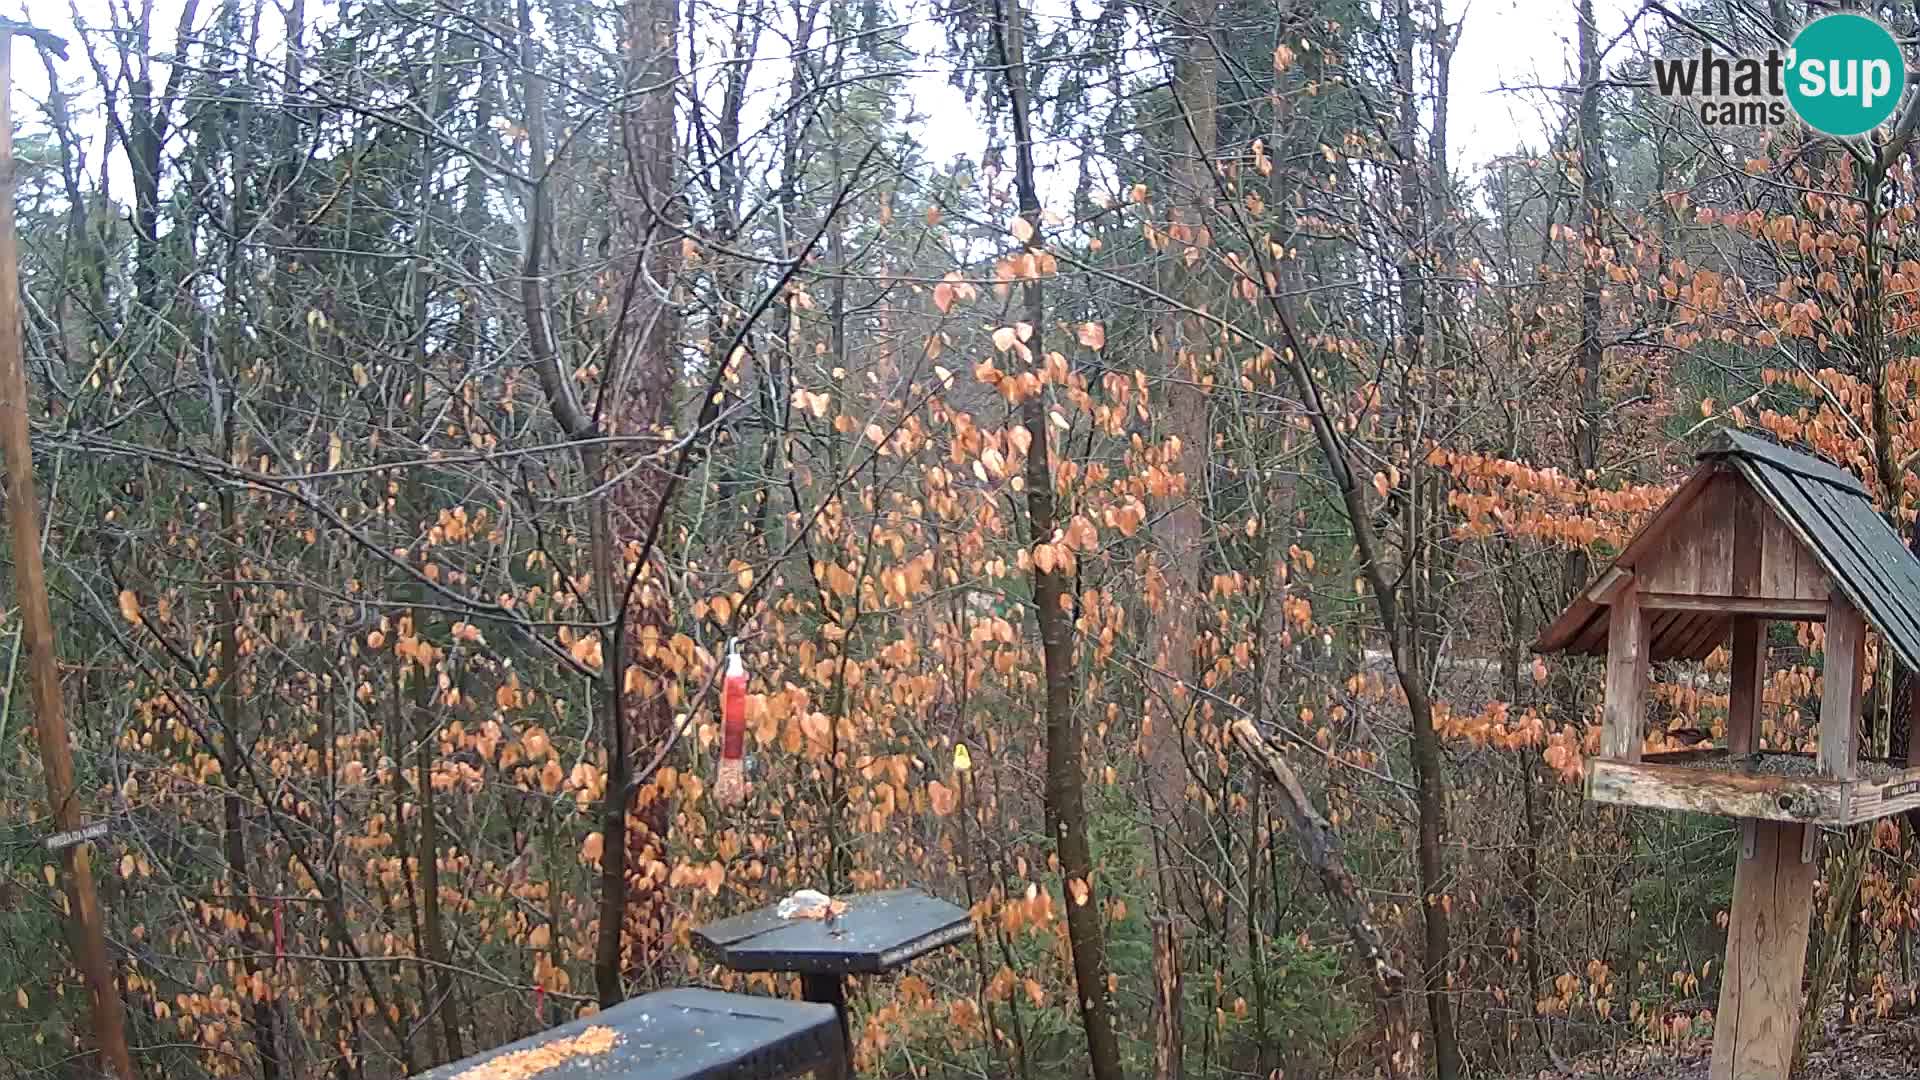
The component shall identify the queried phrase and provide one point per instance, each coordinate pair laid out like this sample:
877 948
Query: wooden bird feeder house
1757 534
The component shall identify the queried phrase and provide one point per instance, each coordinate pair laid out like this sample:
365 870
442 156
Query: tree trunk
1596 191
87 933
1066 812
440 984
579 426
637 393
234 741
1180 532
1412 648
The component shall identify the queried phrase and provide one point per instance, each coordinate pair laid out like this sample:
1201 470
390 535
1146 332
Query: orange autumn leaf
941 798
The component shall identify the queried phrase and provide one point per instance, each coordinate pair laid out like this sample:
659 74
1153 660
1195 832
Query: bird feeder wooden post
1757 534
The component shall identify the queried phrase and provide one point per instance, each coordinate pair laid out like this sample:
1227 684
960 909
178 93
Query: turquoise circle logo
1847 73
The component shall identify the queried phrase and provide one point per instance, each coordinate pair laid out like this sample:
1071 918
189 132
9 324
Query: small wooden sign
61 841
1900 790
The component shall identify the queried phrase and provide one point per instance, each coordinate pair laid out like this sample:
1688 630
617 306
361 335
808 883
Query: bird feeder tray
878 932
683 1034
1765 786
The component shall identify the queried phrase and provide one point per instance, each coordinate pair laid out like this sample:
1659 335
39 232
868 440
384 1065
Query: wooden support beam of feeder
1748 686
1771 607
1846 652
1913 741
1913 729
1628 647
1766 952
1749 674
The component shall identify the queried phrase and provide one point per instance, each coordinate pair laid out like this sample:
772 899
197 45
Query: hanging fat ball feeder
730 784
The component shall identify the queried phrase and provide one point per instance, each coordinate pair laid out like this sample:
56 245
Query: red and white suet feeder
730 784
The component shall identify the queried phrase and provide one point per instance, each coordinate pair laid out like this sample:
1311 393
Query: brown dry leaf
130 606
816 726
941 797
586 651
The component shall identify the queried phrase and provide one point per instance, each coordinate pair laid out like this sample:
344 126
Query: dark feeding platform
1758 534
685 1034
878 933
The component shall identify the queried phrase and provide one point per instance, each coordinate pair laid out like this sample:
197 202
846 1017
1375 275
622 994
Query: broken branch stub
1319 846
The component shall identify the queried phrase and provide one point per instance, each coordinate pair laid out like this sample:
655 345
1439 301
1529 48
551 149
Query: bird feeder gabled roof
1818 521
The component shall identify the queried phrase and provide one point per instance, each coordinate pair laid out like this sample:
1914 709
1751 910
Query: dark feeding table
685 1034
878 933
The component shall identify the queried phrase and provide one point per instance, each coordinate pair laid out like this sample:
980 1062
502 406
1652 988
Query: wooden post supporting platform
831 990
1753 1034
1749 672
1749 677
1623 728
1845 659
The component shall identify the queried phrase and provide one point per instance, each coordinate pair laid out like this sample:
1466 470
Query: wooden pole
1749 684
1846 655
1749 631
88 937
1629 647
1759 1018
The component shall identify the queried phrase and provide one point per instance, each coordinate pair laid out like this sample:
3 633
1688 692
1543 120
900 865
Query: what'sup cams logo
1842 77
